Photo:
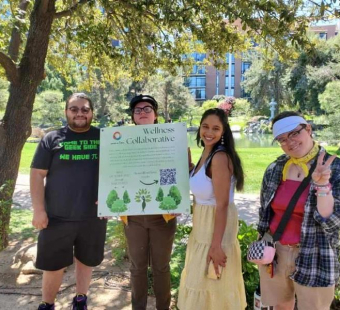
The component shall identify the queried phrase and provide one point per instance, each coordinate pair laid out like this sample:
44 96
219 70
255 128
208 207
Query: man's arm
37 187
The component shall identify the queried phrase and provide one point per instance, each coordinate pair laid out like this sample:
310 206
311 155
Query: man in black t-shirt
64 191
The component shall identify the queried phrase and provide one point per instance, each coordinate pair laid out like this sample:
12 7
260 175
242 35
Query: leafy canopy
140 37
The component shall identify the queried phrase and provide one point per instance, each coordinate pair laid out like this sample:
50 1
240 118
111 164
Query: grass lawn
26 157
254 160
20 226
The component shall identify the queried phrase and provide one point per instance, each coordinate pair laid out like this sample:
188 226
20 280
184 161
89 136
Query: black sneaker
46 306
79 302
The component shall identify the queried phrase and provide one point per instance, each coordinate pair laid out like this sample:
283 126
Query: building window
245 67
230 81
323 35
230 57
229 92
194 81
230 75
198 70
198 94
115 43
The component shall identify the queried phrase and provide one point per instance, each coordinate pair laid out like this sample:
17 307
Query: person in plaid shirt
307 264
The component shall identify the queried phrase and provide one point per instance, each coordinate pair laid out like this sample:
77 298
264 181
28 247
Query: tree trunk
102 104
166 113
15 127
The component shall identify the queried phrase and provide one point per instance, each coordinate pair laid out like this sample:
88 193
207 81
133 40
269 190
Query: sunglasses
75 110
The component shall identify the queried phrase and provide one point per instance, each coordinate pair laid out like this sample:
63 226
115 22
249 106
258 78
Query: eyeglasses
290 136
146 109
75 110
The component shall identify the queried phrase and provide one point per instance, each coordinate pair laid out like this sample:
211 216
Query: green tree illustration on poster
118 206
111 198
160 195
171 201
143 196
115 204
175 194
126 197
168 204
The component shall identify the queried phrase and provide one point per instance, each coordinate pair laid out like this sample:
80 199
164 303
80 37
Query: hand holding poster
143 170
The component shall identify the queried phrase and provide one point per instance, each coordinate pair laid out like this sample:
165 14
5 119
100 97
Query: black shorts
57 242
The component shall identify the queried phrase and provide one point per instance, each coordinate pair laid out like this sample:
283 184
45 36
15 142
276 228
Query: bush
178 256
209 104
246 235
242 107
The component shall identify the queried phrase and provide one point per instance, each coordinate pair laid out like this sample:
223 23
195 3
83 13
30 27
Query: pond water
241 140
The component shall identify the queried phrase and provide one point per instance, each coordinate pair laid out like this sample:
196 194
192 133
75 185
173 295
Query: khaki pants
281 288
150 238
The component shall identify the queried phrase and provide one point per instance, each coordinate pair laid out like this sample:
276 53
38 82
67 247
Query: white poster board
143 170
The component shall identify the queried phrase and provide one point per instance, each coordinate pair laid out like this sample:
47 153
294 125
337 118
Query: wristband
323 194
318 187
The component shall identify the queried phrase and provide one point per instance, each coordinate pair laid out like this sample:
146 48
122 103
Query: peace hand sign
322 172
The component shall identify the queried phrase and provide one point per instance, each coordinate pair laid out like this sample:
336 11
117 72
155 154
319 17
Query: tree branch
319 5
14 44
70 11
10 68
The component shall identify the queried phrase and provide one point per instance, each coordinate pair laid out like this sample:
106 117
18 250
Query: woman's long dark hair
229 145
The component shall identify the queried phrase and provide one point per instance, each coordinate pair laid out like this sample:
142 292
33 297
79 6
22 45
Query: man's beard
83 123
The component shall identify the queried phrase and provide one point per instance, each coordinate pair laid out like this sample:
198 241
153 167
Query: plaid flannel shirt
317 264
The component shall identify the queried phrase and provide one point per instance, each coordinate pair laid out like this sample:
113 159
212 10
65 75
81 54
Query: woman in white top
213 239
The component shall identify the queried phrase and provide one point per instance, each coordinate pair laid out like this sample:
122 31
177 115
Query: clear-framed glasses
290 136
75 110
146 109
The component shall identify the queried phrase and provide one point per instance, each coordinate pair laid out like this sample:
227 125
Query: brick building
206 82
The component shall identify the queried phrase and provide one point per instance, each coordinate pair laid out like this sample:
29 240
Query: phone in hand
211 274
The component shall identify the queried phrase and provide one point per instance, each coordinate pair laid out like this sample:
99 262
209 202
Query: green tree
126 197
330 98
109 97
137 36
49 108
330 103
160 195
194 112
111 198
242 107
53 81
174 98
265 81
209 104
168 204
118 206
175 194
312 71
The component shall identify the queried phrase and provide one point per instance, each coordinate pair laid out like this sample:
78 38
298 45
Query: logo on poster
117 135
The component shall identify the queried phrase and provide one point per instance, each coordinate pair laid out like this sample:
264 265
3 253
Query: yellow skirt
196 291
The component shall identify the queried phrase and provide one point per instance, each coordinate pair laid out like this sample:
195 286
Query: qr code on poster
168 176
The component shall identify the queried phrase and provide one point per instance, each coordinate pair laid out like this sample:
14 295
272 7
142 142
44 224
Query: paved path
247 204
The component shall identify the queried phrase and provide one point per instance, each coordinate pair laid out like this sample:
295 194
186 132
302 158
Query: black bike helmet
143 98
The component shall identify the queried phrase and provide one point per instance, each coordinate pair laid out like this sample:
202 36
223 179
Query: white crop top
202 188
